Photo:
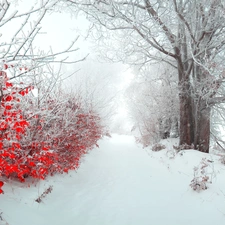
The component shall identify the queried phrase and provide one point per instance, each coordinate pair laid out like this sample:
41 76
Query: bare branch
184 20
171 37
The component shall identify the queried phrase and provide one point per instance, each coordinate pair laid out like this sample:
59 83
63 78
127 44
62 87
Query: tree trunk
201 110
186 115
194 111
202 130
194 127
186 121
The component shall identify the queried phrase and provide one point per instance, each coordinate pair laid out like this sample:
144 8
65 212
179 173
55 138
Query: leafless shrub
144 140
199 183
171 154
158 147
183 147
43 195
201 176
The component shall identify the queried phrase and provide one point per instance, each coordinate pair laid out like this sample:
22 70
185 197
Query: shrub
44 140
158 147
183 147
201 176
13 127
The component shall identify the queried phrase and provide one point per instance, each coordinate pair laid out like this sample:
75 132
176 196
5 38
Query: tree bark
186 128
194 128
202 128
186 118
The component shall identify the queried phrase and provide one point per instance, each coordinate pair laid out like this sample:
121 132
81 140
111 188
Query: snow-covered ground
122 184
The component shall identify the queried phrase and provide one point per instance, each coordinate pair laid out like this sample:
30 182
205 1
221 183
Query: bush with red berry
37 140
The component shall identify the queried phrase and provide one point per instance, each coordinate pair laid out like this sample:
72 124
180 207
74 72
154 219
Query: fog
103 81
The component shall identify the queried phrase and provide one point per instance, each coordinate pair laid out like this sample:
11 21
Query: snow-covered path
119 184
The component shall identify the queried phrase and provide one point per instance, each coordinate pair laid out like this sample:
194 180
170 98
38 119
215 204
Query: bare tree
153 104
187 34
17 48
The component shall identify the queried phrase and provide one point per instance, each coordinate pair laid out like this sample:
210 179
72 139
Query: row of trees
188 35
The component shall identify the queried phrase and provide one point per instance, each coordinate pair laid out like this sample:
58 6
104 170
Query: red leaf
12 156
9 98
18 137
32 164
66 170
3 73
8 107
3 125
8 119
20 130
5 66
16 145
7 84
1 183
24 123
22 93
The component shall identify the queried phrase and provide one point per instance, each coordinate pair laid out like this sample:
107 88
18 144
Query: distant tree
154 105
186 34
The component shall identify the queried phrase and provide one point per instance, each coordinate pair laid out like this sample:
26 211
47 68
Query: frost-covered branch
19 50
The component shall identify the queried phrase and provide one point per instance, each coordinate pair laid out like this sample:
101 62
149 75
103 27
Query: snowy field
120 183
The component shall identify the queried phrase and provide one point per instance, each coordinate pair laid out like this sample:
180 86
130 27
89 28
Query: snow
122 184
